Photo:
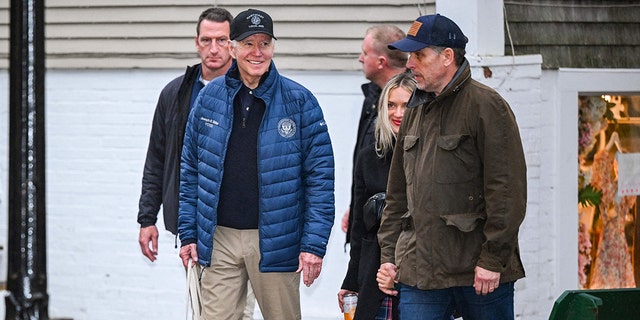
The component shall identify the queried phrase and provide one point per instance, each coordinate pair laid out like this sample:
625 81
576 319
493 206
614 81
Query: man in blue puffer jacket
256 182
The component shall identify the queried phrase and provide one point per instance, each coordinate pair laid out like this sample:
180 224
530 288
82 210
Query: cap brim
407 45
248 33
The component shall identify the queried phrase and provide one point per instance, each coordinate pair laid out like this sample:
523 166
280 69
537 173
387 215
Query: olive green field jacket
457 189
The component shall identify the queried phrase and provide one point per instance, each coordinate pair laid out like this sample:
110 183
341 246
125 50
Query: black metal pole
27 265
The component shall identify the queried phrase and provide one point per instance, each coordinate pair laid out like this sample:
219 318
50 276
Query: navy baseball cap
250 22
431 30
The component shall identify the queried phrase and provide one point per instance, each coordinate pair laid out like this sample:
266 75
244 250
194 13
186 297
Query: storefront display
609 126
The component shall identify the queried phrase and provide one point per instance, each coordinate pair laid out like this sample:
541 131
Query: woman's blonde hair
385 137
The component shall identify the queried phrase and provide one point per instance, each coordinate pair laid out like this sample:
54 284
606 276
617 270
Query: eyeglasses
250 45
220 42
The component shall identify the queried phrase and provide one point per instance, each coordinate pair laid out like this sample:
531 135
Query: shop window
608 184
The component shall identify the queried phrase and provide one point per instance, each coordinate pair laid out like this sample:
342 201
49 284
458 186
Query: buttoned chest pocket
455 157
410 147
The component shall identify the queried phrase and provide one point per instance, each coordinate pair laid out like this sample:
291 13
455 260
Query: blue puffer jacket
295 164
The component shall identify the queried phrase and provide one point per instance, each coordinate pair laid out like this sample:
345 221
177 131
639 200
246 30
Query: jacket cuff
491 263
312 250
186 242
147 224
349 284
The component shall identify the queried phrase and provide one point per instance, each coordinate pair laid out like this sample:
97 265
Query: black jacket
370 177
366 127
161 176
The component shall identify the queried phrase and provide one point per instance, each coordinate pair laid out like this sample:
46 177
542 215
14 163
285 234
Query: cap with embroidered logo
250 22
431 30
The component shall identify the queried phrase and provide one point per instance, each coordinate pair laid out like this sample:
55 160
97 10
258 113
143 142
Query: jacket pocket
454 159
410 156
465 222
461 245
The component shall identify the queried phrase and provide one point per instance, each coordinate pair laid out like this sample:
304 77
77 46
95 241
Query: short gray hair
383 35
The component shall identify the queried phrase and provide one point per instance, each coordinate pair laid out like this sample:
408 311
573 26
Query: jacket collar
266 82
370 89
419 97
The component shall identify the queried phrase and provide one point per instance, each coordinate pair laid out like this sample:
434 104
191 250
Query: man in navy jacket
161 176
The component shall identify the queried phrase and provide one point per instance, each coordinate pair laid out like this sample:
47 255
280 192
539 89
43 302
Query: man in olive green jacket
456 193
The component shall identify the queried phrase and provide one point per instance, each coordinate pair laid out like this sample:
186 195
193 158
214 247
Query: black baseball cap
431 30
250 22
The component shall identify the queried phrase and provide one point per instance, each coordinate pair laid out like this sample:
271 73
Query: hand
187 252
485 281
310 265
149 235
345 221
341 295
386 278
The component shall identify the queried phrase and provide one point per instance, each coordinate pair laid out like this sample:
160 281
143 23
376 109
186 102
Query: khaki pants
250 306
235 260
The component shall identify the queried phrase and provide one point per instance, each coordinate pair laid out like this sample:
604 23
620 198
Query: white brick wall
519 82
97 125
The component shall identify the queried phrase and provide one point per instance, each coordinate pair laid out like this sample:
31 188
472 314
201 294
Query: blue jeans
416 304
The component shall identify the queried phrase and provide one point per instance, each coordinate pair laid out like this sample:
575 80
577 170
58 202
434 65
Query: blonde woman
370 178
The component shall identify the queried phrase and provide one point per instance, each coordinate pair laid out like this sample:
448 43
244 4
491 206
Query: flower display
584 254
591 119
593 113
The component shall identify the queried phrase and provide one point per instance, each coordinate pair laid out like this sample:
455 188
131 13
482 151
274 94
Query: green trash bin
604 304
